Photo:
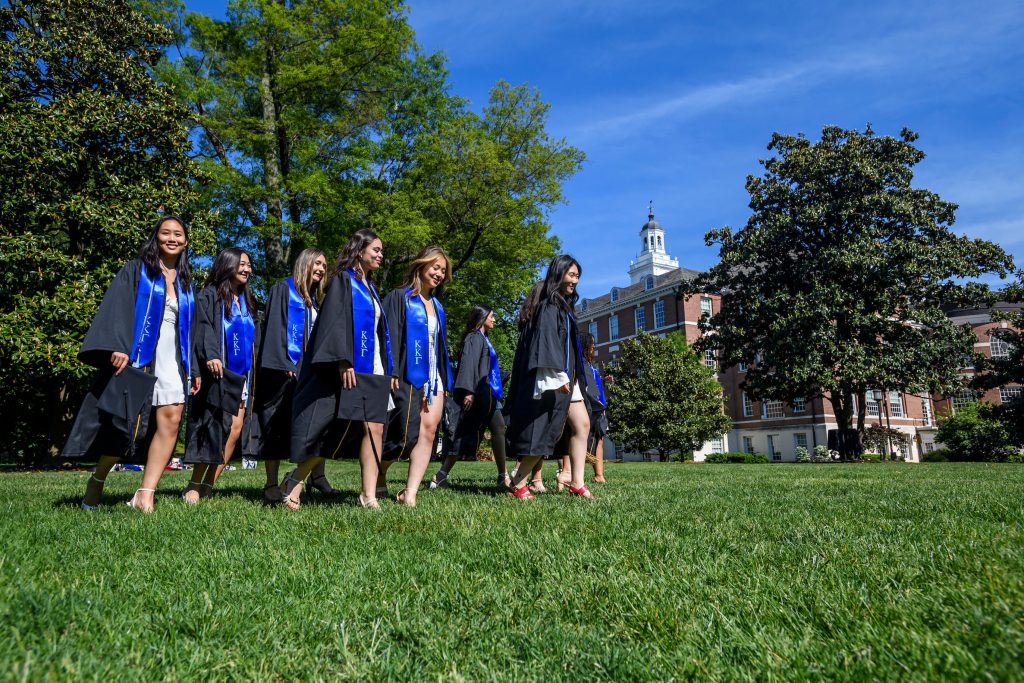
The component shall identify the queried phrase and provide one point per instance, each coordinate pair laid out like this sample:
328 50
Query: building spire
650 210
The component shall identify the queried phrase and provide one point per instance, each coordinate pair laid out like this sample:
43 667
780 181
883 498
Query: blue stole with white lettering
364 331
239 332
417 365
494 375
149 303
600 385
296 323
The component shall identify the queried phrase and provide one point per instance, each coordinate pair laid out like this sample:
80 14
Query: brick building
652 303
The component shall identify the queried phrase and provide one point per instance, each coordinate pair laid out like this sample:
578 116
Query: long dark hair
549 289
349 256
221 275
477 315
149 252
589 345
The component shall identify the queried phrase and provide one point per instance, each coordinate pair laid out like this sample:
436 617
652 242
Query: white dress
168 389
435 383
378 365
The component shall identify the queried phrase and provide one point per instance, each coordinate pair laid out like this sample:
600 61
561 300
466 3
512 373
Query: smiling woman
218 422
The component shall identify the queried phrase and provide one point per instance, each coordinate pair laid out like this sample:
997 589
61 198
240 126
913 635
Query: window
593 330
649 282
615 294
799 440
743 366
967 361
963 398
1000 347
710 359
929 447
613 327
705 305
926 410
772 409
584 306
873 409
659 241
896 404
775 455
718 445
799 405
1007 394
748 445
748 406
641 319
659 314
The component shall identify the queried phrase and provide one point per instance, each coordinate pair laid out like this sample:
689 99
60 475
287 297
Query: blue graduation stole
149 304
494 374
600 385
363 329
239 332
417 365
296 323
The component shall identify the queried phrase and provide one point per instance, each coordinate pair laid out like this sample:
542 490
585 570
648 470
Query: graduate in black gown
145 321
424 372
292 307
219 424
344 384
478 390
548 384
597 400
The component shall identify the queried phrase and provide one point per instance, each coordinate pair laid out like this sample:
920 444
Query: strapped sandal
85 506
368 503
287 502
132 505
271 497
582 492
382 493
439 480
522 493
537 486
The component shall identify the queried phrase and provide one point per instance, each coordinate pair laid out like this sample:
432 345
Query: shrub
802 455
736 458
821 454
975 434
871 457
938 455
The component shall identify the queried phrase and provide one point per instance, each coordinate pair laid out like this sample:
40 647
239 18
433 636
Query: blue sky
675 102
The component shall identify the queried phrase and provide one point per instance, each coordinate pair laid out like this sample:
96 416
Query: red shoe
522 493
582 492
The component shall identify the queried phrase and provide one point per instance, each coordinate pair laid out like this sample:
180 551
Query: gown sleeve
331 340
273 349
112 328
394 311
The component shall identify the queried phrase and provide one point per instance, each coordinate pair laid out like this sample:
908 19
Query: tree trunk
273 248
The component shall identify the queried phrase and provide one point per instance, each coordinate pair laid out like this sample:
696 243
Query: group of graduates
333 371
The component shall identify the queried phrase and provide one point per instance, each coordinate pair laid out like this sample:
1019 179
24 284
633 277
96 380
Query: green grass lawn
767 572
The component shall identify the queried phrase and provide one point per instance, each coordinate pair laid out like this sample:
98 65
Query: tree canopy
663 397
836 284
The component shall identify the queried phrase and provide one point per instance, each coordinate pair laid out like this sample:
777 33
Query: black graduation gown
93 434
598 417
535 425
273 404
473 378
209 426
316 430
403 426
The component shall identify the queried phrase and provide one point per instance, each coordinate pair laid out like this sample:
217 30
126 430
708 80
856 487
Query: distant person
292 307
344 385
145 322
219 423
424 371
477 392
546 399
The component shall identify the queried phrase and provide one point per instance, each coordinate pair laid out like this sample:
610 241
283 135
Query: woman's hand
467 402
394 384
215 368
291 375
565 389
348 375
119 361
196 383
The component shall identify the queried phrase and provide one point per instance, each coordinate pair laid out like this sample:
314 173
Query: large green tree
663 397
92 150
836 283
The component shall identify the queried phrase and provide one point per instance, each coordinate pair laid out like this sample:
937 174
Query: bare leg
213 473
579 422
525 469
368 461
195 484
161 448
419 458
498 444
94 486
599 462
291 487
273 469
562 476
